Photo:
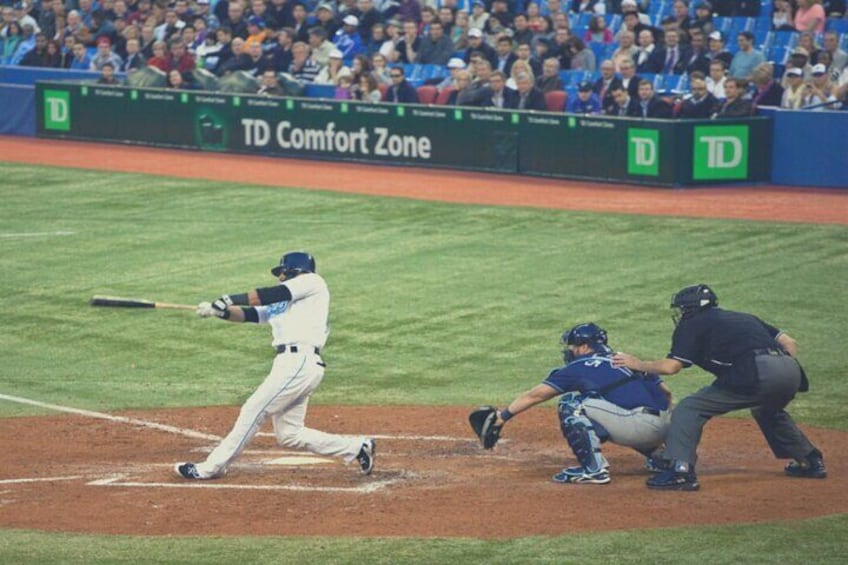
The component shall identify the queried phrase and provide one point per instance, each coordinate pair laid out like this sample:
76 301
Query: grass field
432 304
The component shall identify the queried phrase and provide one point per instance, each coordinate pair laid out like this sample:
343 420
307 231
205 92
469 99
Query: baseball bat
118 302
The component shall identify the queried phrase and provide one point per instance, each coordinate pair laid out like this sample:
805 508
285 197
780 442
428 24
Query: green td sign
721 152
57 110
643 152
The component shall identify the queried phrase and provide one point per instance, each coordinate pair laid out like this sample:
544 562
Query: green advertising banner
655 152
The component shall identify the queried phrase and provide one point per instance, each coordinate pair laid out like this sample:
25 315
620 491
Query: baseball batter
599 403
297 310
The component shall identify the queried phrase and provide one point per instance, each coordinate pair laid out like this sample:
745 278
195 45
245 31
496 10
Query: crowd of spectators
497 53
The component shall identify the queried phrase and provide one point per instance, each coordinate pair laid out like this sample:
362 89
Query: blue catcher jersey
591 374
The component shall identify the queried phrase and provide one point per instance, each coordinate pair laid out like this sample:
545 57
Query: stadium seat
784 38
443 96
837 25
600 51
657 8
205 80
148 77
613 22
427 94
238 82
778 54
555 100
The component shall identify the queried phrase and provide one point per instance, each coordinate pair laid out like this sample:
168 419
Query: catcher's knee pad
584 442
570 404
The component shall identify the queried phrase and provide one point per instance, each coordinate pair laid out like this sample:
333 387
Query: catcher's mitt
482 421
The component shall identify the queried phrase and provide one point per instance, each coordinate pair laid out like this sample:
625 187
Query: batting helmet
692 299
295 263
584 334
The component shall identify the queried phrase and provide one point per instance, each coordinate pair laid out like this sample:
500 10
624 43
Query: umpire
755 368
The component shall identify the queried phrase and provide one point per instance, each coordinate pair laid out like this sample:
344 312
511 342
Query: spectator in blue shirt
347 39
82 60
586 101
746 58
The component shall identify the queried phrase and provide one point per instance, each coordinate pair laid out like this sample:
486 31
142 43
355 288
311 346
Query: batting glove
221 309
205 310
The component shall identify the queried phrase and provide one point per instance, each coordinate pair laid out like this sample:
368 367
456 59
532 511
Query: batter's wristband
506 414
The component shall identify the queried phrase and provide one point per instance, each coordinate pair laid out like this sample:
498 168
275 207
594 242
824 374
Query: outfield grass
432 304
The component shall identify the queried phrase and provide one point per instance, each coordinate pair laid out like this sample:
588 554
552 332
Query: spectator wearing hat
105 55
528 96
735 104
455 65
335 69
409 44
256 32
326 16
701 104
821 85
320 46
347 39
436 48
768 91
479 18
586 101
793 95
703 18
401 91
798 59
810 16
747 57
715 43
302 67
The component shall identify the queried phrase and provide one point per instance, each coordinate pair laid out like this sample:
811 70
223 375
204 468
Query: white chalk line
118 481
185 431
36 234
103 416
39 480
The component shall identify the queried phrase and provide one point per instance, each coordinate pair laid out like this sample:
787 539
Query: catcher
599 403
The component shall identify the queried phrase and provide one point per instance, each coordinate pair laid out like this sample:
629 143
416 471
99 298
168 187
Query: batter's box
125 481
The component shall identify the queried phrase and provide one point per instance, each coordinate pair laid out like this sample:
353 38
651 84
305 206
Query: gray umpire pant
779 378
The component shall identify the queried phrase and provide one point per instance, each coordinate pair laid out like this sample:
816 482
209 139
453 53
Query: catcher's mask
294 263
692 299
584 334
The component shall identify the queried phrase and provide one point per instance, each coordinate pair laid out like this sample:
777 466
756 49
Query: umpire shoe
187 471
810 468
367 455
571 475
657 465
674 480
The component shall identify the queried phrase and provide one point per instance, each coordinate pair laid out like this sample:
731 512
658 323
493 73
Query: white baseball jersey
303 319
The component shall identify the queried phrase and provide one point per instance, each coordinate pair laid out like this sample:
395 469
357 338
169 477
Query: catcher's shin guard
584 442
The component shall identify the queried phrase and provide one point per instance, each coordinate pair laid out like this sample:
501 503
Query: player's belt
651 411
775 352
286 348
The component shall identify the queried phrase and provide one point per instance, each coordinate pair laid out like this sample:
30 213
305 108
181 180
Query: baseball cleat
674 480
578 475
367 455
187 471
811 468
657 465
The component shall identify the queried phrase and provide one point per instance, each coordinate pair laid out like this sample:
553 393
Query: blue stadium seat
778 54
600 51
677 83
784 38
613 22
838 25
657 8
722 23
762 39
583 19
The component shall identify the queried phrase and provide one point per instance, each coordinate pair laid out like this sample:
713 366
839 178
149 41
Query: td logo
643 152
57 110
721 152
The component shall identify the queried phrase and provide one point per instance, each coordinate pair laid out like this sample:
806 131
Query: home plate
298 461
